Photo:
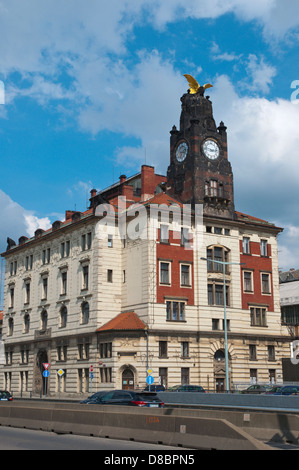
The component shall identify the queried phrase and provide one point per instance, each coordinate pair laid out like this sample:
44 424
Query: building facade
137 281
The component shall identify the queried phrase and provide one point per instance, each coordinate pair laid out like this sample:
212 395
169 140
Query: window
83 350
175 311
83 380
271 353
13 268
163 349
105 350
65 249
44 288
63 317
64 282
184 236
185 275
26 323
163 376
253 376
85 313
164 272
85 271
164 233
24 352
184 375
110 241
11 297
106 374
46 256
265 277
27 292
10 326
258 316
264 251
216 255
109 275
246 245
215 324
44 320
86 241
28 262
215 294
247 276
252 352
184 349
61 352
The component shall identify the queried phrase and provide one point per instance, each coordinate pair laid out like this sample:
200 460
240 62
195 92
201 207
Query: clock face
181 151
211 149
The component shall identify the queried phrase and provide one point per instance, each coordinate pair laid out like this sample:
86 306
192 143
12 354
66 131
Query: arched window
44 320
63 317
85 313
215 255
26 323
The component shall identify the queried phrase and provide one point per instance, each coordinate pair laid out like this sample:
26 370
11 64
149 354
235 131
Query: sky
90 90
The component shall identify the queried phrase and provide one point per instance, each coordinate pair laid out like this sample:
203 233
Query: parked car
273 390
257 389
94 398
186 388
5 396
288 390
130 398
154 388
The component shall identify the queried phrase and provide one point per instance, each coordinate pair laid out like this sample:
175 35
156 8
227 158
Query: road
26 439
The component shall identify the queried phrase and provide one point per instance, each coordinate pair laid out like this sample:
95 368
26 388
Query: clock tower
199 171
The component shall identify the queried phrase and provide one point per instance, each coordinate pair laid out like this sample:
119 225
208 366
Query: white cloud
17 221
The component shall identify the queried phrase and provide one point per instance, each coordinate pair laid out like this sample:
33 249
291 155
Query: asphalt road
26 439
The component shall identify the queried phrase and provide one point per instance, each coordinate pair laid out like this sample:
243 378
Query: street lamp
224 264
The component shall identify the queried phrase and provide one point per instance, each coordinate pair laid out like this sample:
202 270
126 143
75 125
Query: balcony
43 334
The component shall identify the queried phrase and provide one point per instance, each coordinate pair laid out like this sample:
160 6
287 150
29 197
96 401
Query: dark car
274 389
154 388
130 398
95 397
288 390
5 396
257 389
186 388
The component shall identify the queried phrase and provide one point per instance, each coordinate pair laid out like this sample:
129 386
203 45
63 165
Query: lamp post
224 264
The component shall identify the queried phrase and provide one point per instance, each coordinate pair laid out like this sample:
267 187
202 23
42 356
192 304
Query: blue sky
92 89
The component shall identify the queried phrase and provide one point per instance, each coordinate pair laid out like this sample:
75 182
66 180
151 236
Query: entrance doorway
127 380
41 382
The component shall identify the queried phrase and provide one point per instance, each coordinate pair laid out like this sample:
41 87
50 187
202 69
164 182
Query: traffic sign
149 371
149 380
46 373
60 372
91 368
91 375
46 365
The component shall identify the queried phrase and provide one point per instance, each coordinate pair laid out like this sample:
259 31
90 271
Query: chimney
93 192
68 215
122 178
148 182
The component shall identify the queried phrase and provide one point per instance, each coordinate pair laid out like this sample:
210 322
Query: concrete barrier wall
165 426
234 400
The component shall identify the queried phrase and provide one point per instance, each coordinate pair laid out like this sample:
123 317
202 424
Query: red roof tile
124 321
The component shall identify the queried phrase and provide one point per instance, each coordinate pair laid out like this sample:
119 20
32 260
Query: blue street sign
46 373
149 380
91 375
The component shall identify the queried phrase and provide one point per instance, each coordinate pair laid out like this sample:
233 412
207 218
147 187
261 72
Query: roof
249 218
124 321
289 276
1 315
